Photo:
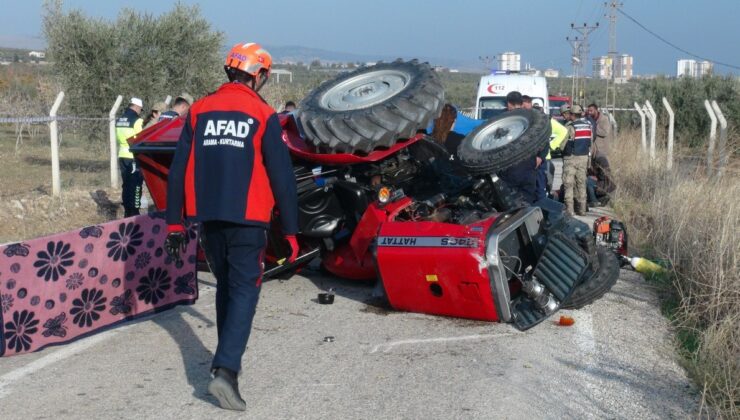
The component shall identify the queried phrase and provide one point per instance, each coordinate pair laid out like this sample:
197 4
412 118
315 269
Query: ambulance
493 88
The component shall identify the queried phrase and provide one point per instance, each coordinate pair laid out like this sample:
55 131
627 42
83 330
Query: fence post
113 142
54 136
653 123
671 122
613 122
712 137
722 139
168 99
641 112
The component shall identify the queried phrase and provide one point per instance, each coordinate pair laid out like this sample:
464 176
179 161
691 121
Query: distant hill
296 53
22 42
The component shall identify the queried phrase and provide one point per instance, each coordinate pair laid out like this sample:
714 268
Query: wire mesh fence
28 204
25 145
84 156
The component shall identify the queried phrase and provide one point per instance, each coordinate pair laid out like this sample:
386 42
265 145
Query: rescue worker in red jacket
229 169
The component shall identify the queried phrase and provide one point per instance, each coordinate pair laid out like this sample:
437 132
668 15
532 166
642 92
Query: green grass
692 222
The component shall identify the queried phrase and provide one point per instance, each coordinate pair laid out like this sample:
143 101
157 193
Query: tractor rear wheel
371 107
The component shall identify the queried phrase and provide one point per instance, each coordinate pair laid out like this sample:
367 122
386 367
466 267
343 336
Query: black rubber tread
531 142
594 288
380 125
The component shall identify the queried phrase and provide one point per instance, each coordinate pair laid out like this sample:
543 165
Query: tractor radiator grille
561 266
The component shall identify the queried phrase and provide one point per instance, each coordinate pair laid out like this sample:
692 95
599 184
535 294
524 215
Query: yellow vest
127 126
559 134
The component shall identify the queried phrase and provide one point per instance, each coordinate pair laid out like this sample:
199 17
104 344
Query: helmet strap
257 85
229 73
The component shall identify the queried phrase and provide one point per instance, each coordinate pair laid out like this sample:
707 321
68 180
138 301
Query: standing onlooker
289 107
559 134
230 167
603 131
521 176
179 108
128 125
442 126
575 160
443 133
526 102
542 158
153 117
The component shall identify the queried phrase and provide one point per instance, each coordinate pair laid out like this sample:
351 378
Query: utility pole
610 101
576 61
584 48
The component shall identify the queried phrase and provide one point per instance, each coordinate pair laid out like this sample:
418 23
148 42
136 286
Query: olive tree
687 96
137 54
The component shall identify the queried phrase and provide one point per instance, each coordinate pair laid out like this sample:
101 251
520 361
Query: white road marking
586 344
585 334
386 347
68 350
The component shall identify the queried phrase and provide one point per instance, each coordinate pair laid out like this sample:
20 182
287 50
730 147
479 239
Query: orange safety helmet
250 58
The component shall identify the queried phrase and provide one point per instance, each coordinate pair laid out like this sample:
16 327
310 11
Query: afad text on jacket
231 163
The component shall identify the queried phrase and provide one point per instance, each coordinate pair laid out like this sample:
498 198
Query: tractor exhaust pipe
538 293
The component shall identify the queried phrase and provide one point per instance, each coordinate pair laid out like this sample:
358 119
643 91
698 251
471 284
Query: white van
493 88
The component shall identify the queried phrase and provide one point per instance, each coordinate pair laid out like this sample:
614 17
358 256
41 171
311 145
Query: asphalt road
617 361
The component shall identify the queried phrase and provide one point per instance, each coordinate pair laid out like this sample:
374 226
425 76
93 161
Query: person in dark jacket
179 108
289 107
153 116
229 169
575 160
521 176
600 183
129 125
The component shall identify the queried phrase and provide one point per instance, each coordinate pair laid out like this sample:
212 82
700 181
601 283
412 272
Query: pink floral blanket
66 286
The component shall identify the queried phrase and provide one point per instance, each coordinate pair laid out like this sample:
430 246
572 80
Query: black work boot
225 387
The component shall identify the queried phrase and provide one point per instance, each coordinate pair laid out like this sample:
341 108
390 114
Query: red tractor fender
300 149
354 259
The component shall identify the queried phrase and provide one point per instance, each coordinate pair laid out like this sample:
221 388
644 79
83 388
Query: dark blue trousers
541 185
591 190
132 183
235 254
522 177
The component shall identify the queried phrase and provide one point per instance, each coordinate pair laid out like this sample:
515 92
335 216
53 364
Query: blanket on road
59 288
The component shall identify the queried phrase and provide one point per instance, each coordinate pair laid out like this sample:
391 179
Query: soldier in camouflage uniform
575 159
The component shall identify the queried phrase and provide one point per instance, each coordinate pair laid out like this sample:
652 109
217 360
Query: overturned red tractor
380 201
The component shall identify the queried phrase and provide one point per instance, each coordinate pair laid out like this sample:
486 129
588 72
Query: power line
674 45
581 51
585 47
576 61
578 12
594 12
611 79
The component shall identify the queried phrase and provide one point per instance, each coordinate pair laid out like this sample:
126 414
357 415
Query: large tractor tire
504 140
371 107
601 282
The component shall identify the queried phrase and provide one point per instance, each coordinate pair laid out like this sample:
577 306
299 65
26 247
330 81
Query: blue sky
462 29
